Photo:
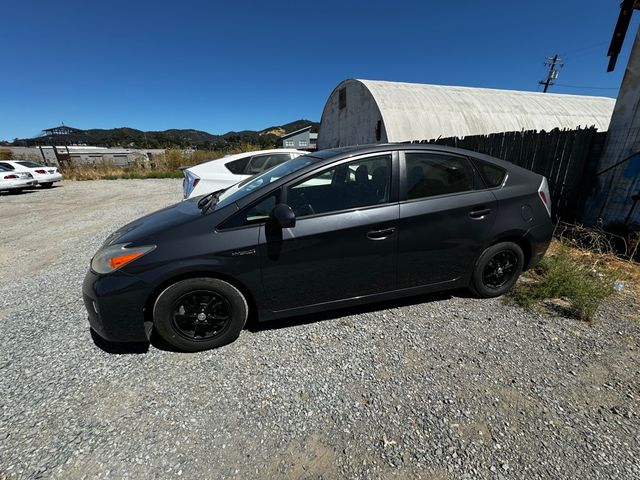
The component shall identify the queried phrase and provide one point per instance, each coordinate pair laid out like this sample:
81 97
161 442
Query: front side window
357 184
8 166
253 214
430 174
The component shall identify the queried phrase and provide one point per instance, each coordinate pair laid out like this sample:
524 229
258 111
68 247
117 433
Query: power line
580 51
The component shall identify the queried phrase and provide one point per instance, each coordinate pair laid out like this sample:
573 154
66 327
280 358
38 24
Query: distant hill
132 138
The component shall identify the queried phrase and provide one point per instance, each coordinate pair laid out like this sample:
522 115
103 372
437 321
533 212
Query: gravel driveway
438 387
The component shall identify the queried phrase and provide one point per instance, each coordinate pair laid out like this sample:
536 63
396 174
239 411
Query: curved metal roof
413 111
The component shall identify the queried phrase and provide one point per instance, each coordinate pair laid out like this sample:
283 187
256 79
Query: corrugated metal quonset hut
365 111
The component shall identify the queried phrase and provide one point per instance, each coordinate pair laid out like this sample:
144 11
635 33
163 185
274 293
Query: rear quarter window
238 167
492 174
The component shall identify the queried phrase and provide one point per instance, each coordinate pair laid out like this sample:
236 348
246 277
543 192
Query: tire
182 320
497 270
46 184
15 191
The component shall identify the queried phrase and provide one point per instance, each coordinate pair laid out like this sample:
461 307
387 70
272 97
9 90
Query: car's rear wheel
46 184
200 313
497 269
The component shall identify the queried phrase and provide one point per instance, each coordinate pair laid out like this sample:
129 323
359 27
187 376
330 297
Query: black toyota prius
325 230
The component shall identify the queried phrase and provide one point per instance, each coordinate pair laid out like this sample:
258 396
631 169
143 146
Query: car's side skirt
266 315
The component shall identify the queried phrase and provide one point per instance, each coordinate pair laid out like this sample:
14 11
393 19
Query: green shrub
560 276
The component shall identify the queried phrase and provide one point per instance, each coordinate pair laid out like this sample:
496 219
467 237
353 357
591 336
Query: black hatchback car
325 230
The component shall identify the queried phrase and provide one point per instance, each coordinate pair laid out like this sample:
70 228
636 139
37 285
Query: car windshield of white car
236 192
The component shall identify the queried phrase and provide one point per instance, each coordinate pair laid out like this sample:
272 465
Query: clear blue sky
220 66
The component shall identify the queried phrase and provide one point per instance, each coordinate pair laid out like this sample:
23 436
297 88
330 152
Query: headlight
116 256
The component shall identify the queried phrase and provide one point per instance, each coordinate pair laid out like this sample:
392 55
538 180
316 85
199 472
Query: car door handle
380 234
479 212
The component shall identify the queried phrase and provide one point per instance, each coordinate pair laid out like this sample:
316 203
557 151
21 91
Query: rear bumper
49 178
539 238
115 304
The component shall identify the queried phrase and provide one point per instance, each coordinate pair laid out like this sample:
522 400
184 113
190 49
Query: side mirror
283 216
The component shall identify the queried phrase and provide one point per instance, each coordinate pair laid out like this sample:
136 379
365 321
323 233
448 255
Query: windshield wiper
209 200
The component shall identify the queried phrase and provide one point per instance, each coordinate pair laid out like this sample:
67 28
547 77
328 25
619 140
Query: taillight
545 196
9 177
189 183
41 171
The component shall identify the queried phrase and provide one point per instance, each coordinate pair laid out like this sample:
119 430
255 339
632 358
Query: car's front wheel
46 184
497 269
200 313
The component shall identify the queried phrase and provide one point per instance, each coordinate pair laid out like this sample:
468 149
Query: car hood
156 222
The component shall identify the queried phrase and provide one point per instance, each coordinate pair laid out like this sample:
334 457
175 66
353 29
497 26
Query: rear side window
238 167
8 166
493 175
430 174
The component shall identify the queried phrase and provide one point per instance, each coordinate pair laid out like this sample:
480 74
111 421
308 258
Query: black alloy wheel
497 269
201 315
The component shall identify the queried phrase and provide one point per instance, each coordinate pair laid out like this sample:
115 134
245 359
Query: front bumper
116 306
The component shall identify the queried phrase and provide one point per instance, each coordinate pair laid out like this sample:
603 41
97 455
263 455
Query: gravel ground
441 387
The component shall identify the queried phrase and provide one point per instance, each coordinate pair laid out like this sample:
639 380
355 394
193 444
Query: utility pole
551 62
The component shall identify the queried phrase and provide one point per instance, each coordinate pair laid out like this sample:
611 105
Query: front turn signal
117 256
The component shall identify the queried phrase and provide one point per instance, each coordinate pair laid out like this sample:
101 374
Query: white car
15 181
224 172
45 176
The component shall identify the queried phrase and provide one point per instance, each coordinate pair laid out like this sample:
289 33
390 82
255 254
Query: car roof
346 152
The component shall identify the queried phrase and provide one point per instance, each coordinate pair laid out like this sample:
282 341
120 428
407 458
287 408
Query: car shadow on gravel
119 348
9 193
254 326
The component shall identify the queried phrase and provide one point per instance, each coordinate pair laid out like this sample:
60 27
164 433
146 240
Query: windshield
244 188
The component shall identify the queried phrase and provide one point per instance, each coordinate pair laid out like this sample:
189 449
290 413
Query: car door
446 215
345 239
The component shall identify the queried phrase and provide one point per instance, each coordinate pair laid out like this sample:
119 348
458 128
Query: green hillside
132 138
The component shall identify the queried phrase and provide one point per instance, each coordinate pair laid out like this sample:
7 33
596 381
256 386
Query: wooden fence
566 157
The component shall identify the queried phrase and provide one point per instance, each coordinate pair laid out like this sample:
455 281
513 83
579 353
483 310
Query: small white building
365 111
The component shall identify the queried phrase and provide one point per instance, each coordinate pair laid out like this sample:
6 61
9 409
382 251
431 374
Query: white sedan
45 176
224 172
15 181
